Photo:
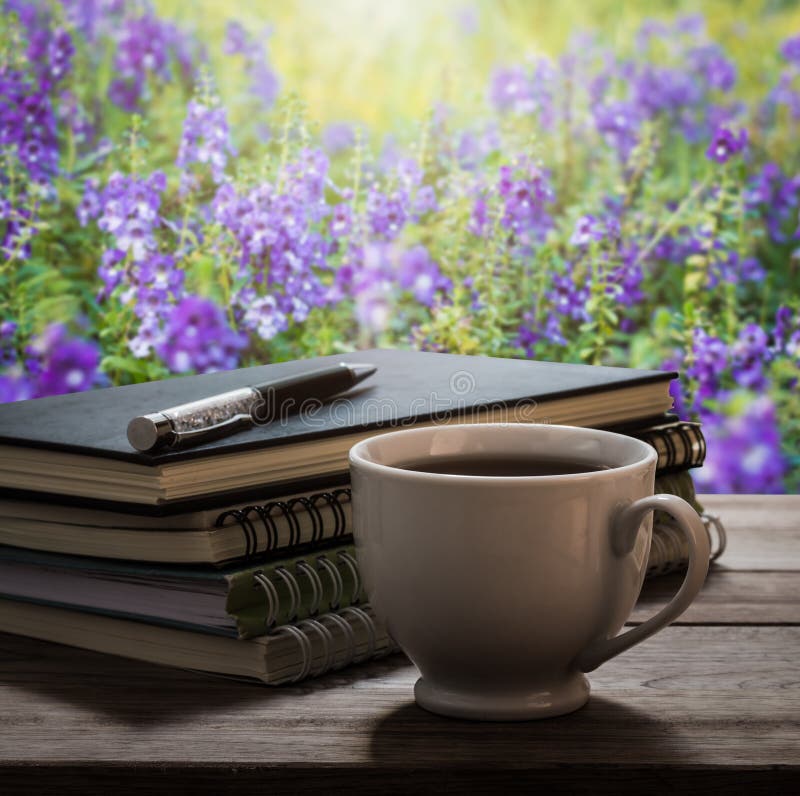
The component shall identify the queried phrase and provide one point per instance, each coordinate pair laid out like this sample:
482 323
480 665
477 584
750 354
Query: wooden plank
707 705
221 779
728 597
764 531
691 697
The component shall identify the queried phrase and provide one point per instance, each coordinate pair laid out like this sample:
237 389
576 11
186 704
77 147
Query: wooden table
712 703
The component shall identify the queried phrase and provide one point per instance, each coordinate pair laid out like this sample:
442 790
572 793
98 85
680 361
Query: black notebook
73 448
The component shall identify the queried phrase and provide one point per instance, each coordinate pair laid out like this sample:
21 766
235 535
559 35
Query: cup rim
358 458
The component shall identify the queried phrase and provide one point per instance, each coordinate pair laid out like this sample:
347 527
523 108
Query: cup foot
554 700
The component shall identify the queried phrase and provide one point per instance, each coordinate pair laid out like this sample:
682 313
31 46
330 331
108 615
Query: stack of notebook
236 557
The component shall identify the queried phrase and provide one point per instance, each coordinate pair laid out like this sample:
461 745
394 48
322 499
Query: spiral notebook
291 653
242 531
680 446
249 601
235 601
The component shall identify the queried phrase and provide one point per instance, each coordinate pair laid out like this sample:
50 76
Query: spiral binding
713 521
671 457
351 564
669 548
305 647
301 632
273 601
294 590
316 585
259 520
327 644
292 582
336 579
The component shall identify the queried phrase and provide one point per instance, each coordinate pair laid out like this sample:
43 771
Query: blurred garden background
191 186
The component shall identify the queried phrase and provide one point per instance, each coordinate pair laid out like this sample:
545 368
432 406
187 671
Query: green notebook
309 648
235 601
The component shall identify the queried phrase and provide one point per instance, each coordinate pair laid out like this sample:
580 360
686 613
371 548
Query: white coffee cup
505 590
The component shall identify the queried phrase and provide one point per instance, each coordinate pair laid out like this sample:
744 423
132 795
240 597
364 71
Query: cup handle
623 537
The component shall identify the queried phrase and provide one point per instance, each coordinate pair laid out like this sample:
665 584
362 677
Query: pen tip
361 372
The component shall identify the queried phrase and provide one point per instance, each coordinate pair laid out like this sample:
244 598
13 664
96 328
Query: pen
193 423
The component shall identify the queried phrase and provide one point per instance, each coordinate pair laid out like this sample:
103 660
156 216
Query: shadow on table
138 693
598 734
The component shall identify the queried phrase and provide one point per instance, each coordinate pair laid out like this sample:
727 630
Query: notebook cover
409 386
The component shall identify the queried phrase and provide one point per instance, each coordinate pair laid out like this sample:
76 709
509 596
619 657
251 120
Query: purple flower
425 201
206 139
526 337
369 275
474 147
776 198
338 137
527 194
19 231
624 282
531 333
786 333
479 220
145 46
790 50
62 364
8 353
749 354
734 269
110 272
408 172
341 220
14 387
725 144
90 205
568 298
237 41
28 124
676 388
708 360
264 317
280 240
59 54
511 90
94 18
710 61
528 90
130 211
744 449
197 337
50 50
159 272
793 350
618 123
136 237
665 90
387 214
421 275
783 94
73 114
690 24
588 229
264 83
372 286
